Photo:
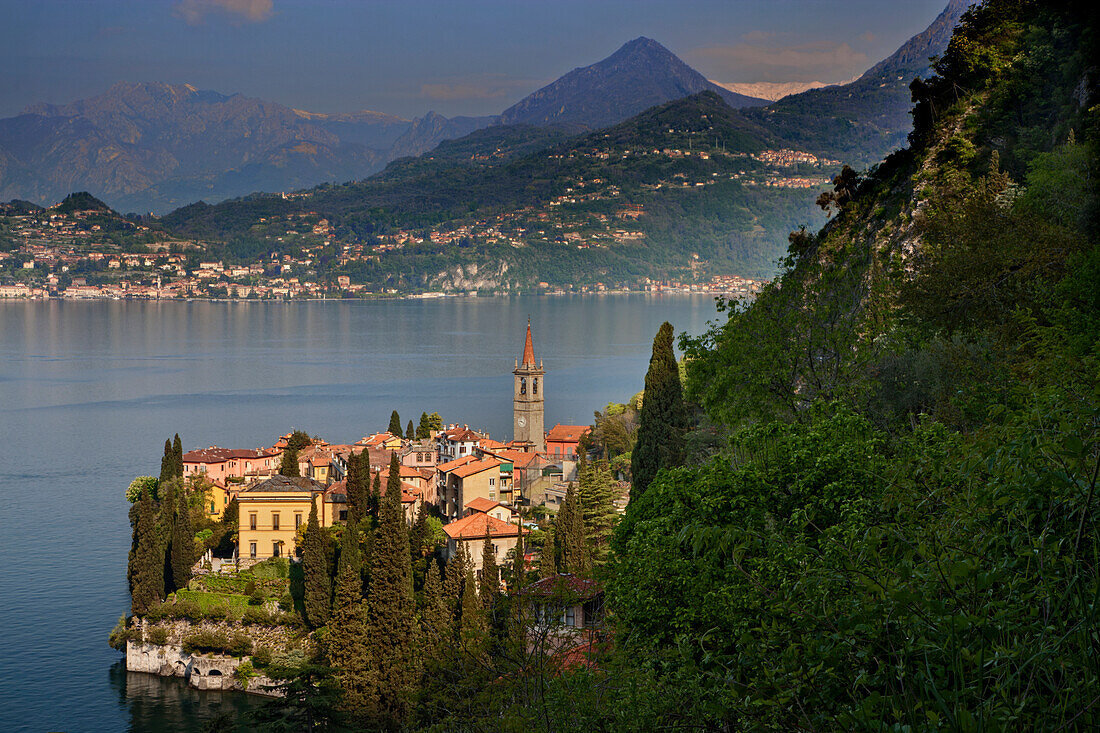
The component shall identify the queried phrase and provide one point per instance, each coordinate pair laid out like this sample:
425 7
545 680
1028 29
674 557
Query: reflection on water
170 704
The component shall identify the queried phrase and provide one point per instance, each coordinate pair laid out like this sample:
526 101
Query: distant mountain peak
642 73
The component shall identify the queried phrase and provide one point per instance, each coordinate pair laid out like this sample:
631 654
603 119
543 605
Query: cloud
868 37
801 62
757 36
251 11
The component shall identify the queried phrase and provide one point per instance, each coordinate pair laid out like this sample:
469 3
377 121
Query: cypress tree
315 570
357 487
167 463
596 493
423 429
393 480
410 431
348 643
181 542
177 455
548 564
289 464
148 576
490 574
473 631
374 501
663 419
570 524
393 628
395 424
455 577
435 619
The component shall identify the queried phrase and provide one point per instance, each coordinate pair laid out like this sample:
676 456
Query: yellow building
463 480
215 500
271 512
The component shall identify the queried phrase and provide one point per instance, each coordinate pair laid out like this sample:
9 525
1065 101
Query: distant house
270 513
563 440
471 531
567 617
462 480
420 454
457 442
226 464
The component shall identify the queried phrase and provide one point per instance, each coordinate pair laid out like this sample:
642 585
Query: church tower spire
528 398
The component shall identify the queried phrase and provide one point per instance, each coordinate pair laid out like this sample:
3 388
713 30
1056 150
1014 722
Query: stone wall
208 671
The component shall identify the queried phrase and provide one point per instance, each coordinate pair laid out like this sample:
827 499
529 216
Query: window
213 507
274 549
252 522
535 385
274 520
297 520
492 482
523 385
252 549
571 616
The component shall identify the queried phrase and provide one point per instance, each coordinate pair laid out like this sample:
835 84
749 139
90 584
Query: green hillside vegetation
492 176
902 532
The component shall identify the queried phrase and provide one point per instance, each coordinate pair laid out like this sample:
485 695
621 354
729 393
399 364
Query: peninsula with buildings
243 559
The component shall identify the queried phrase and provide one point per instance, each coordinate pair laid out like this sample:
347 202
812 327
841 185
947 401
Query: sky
406 57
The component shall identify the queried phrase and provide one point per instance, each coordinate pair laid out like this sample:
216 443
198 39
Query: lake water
90 390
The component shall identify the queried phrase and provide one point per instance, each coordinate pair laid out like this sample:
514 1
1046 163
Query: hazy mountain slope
641 74
862 121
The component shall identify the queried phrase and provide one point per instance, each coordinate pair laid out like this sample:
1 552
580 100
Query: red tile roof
470 469
567 433
481 504
461 435
452 465
562 583
214 454
479 525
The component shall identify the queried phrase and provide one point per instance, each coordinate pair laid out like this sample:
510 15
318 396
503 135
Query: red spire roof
528 349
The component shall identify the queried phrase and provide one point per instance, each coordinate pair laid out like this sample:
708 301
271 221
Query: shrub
262 657
244 673
200 642
156 613
256 616
250 588
121 633
240 645
256 598
286 602
157 635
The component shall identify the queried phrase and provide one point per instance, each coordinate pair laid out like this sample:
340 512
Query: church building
528 399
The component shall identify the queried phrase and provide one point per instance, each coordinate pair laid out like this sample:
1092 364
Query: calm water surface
89 391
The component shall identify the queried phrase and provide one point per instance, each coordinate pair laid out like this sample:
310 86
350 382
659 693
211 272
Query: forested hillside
899 530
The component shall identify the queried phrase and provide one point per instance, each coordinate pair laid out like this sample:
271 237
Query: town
461 533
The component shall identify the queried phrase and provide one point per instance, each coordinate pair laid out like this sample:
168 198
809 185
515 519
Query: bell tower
527 398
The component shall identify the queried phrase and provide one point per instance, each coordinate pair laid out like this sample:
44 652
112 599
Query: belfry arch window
535 386
523 385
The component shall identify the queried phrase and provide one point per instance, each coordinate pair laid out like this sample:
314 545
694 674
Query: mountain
641 74
428 131
862 121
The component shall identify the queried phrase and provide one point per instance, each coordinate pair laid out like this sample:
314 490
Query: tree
177 455
309 700
299 439
395 424
410 431
374 502
423 430
490 574
147 584
575 556
435 619
393 479
167 463
317 596
548 563
596 492
393 627
358 490
663 418
473 628
289 464
348 640
454 579
181 543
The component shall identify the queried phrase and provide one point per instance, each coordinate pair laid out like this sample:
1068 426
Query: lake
90 390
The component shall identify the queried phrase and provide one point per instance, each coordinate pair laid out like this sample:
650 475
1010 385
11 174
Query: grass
206 600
